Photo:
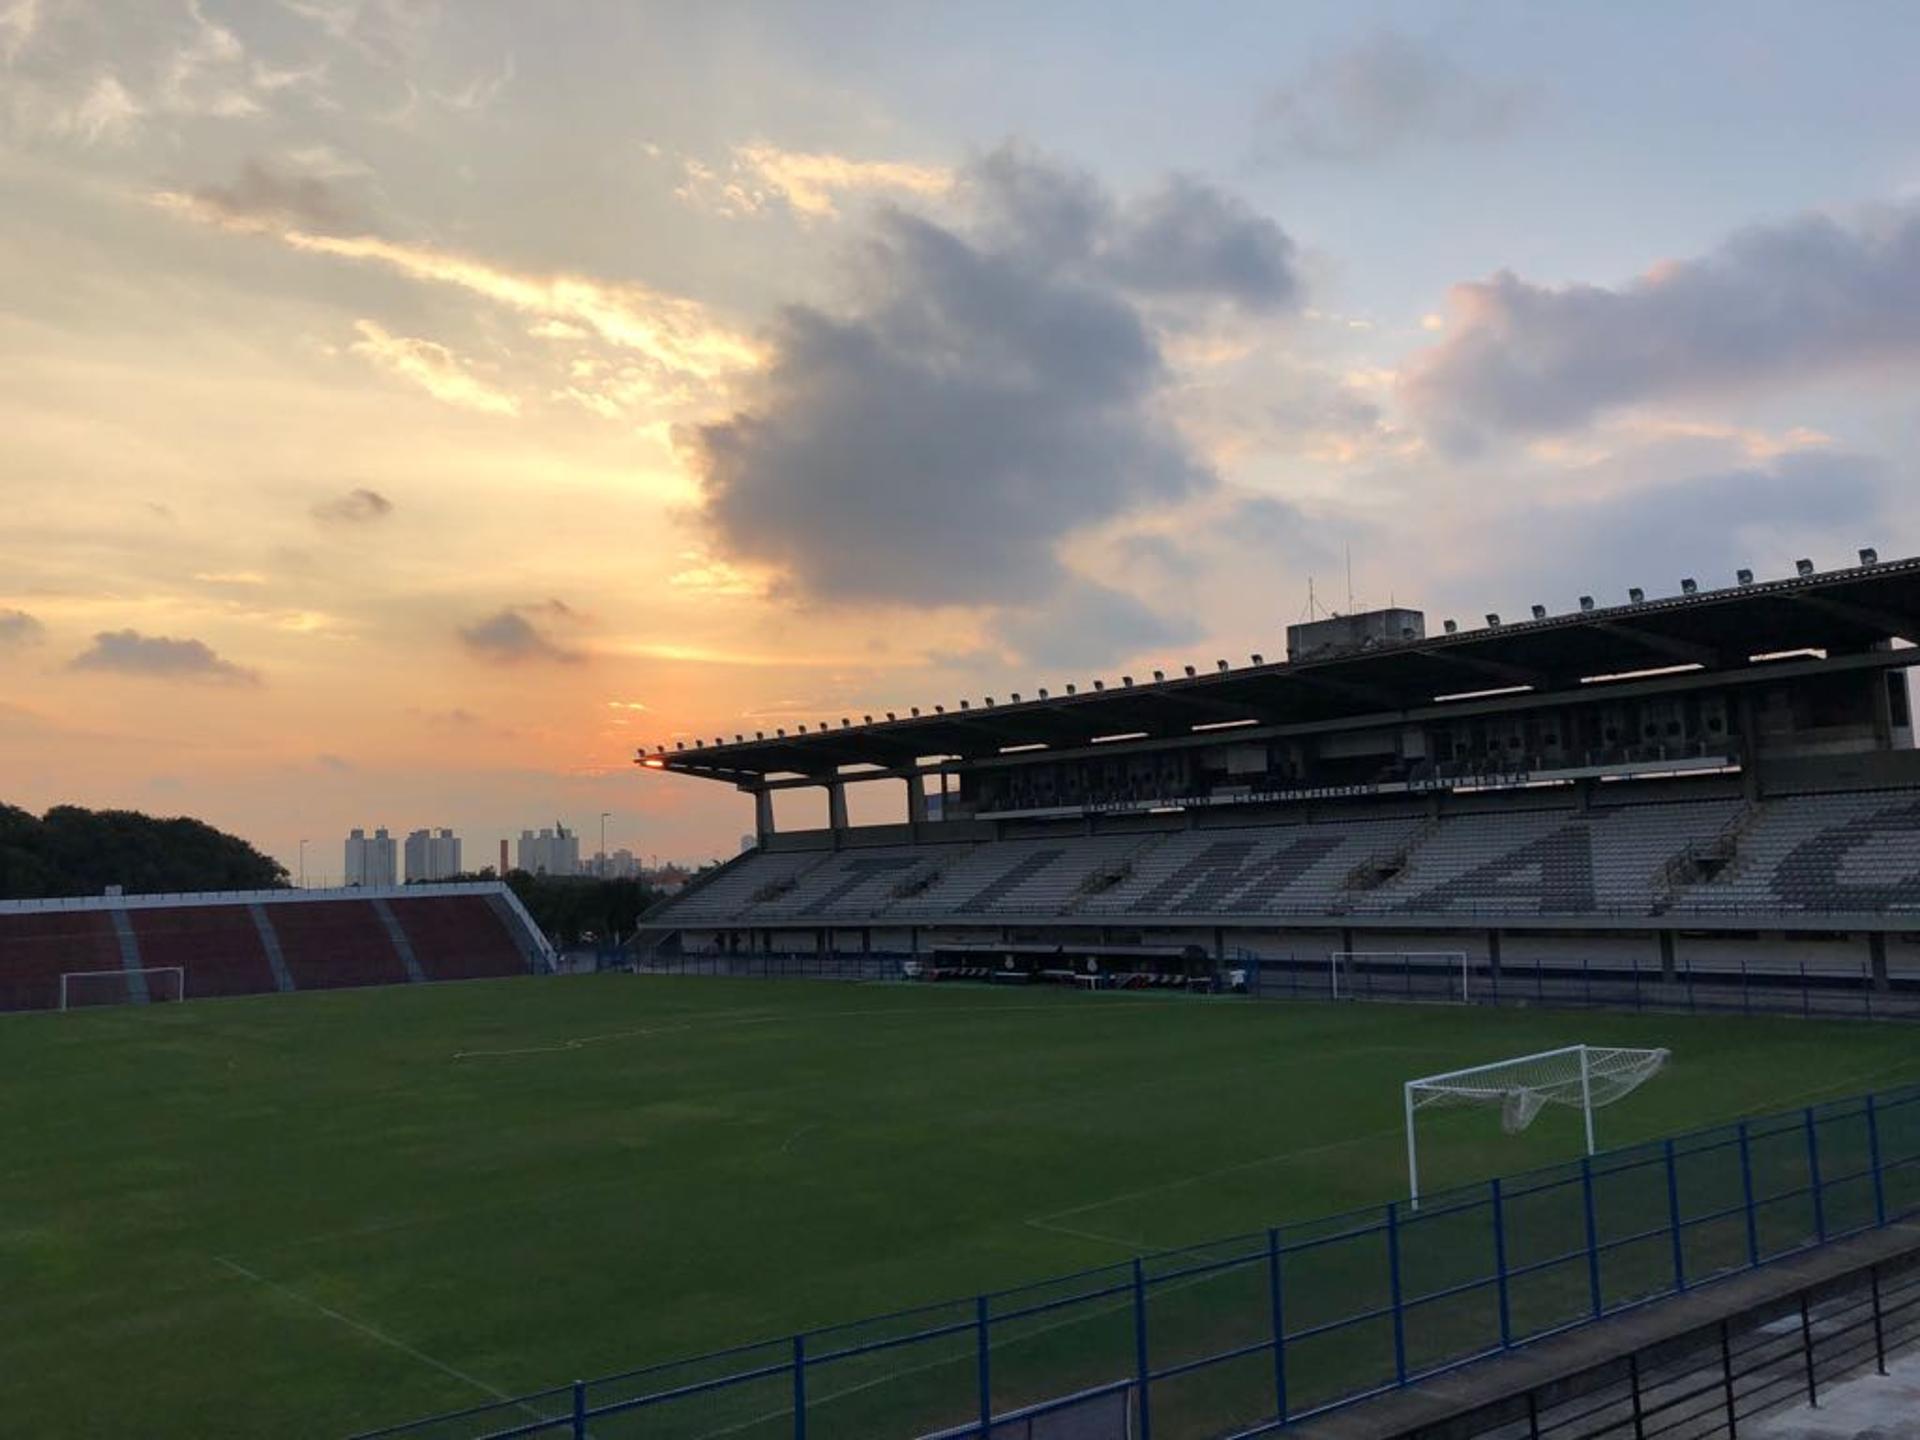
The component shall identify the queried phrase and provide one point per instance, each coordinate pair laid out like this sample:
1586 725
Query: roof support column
763 815
916 797
837 808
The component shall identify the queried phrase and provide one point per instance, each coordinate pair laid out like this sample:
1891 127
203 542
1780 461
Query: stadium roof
1838 611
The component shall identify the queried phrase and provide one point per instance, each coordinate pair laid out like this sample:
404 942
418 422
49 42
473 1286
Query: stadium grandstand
114 949
1719 782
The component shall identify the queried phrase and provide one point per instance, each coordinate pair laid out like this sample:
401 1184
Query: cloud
433 367
264 199
761 177
19 629
359 506
679 337
128 652
1708 525
18 21
1087 623
1772 305
1384 94
509 638
996 389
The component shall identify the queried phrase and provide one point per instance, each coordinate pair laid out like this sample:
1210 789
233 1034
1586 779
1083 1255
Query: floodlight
868 719
1636 595
892 716
1452 626
1190 671
1805 567
781 733
988 702
1043 692
1539 612
1688 586
1221 664
1493 619
737 740
1159 675
1099 684
845 724
916 710
1070 689
964 705
1869 556
1586 602
1258 658
1016 697
759 734
679 744
939 709
1745 577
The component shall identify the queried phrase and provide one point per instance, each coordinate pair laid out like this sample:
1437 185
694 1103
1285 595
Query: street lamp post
605 869
303 864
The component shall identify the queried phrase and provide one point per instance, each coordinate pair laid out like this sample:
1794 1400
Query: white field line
375 1334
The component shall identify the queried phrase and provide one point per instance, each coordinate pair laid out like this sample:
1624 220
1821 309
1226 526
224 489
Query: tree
73 851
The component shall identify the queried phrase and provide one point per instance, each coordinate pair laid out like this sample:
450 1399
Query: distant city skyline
411 410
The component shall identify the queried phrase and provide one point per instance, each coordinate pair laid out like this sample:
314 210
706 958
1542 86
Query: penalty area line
373 1333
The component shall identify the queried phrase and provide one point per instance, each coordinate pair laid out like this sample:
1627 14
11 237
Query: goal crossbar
141 976
1586 1076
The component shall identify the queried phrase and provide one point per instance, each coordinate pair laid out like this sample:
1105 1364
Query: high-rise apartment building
432 855
371 859
551 852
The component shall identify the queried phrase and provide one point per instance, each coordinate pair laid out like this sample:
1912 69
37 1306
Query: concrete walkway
1871 1407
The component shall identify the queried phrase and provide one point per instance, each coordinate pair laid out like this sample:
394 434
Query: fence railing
1719 1378
1241 1335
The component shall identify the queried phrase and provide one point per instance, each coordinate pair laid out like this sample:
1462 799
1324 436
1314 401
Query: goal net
149 985
1398 975
1581 1077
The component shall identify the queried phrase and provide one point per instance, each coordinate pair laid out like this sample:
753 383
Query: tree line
73 851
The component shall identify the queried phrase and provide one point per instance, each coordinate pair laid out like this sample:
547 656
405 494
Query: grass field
307 1214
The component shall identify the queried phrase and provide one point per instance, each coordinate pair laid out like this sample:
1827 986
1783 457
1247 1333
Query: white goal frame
1494 1092
122 974
1336 967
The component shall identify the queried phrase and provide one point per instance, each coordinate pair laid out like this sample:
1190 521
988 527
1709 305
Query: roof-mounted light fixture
1744 576
1258 658
1539 612
1804 567
1636 596
1190 672
1493 620
1586 602
1869 556
1159 675
1452 627
1221 665
1689 586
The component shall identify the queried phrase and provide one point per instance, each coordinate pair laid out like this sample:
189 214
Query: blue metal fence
1241 1335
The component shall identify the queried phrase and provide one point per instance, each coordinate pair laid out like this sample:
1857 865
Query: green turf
301 1215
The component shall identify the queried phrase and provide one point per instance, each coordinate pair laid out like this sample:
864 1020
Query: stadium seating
1830 853
1840 854
38 947
335 943
257 941
217 946
458 938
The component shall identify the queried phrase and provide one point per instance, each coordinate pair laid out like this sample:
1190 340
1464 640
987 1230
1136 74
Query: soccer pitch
307 1214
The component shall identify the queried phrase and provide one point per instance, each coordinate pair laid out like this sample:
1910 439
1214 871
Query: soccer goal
153 984
1398 974
1583 1077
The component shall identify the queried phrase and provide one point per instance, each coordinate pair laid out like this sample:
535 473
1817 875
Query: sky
408 410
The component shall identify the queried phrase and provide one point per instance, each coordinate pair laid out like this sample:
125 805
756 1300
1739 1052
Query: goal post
143 985
1585 1077
1350 974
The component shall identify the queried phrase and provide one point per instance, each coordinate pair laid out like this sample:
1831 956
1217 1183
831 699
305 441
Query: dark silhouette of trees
73 851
